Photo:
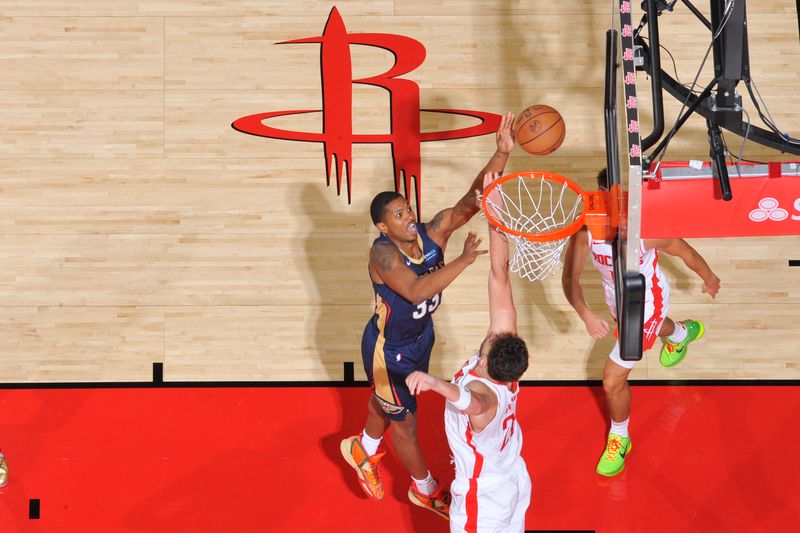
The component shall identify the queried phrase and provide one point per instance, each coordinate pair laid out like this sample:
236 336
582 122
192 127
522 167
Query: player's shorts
387 367
497 506
656 306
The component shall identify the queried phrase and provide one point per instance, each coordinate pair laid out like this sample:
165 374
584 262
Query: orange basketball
540 129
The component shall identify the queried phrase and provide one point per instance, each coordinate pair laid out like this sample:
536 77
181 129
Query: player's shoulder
383 254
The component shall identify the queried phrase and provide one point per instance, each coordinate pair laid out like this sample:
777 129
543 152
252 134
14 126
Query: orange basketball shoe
438 501
365 466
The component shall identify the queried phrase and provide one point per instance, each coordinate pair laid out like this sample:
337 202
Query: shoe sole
419 503
344 447
612 474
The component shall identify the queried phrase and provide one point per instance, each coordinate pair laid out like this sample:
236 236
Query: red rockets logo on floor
337 133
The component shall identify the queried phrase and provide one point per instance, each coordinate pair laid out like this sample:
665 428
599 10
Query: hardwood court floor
705 458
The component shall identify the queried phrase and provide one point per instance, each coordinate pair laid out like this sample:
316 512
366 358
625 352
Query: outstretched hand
595 325
506 134
711 286
419 382
471 245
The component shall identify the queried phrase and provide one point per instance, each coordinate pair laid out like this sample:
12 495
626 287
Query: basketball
540 129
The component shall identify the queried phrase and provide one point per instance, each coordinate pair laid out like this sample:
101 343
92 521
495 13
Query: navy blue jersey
396 319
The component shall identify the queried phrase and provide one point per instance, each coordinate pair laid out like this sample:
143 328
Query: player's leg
406 445
425 491
618 402
376 426
361 451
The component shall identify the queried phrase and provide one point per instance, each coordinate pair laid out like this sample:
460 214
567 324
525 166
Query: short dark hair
602 179
379 203
507 359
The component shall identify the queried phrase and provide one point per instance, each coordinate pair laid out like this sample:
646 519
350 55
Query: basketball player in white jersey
676 335
492 488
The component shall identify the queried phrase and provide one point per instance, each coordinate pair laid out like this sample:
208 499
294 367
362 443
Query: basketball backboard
624 164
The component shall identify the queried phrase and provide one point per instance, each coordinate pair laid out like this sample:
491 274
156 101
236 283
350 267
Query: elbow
417 297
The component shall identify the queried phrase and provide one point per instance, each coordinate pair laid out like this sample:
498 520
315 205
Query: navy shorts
387 367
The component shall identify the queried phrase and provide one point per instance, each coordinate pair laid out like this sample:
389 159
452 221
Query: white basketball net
534 204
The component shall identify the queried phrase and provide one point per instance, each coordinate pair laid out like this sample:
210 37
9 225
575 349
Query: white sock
370 444
679 335
620 428
425 486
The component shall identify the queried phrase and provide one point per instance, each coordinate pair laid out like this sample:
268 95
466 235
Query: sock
370 444
620 428
679 335
425 486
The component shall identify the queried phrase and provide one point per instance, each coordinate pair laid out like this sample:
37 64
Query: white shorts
498 505
656 307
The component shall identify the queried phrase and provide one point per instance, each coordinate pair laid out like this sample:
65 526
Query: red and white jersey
656 287
495 449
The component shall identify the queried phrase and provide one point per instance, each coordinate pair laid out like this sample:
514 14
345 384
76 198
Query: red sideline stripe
472 493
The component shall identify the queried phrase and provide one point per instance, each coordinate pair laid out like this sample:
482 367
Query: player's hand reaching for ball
711 285
595 325
505 134
419 382
471 245
495 198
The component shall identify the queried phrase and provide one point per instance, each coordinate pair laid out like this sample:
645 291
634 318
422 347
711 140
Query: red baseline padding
766 202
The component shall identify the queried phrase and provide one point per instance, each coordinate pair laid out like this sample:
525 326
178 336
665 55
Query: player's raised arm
690 256
574 259
386 262
502 313
474 399
445 222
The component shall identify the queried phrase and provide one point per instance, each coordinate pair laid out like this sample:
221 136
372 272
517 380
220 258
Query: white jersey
602 259
495 449
656 292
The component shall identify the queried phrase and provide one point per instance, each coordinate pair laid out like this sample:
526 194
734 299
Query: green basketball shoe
613 459
673 353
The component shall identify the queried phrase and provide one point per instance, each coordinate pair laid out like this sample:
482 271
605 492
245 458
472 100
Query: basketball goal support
629 284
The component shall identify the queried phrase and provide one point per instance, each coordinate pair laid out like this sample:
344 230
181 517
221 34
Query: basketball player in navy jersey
406 266
676 335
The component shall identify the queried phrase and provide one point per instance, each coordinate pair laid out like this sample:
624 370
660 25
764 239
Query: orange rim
554 235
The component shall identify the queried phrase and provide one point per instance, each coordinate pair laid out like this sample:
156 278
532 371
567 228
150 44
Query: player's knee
405 429
614 383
